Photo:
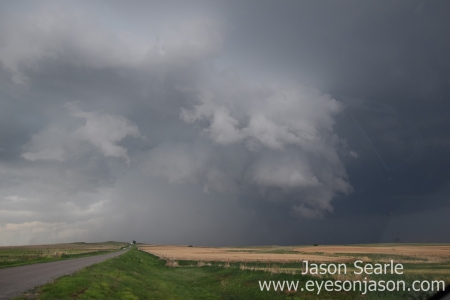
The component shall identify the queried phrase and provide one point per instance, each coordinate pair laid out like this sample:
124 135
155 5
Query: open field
382 253
415 252
234 254
419 261
140 275
22 255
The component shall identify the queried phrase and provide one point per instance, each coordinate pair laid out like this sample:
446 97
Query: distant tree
134 242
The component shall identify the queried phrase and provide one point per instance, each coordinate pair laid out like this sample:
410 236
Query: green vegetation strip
25 255
139 275
36 259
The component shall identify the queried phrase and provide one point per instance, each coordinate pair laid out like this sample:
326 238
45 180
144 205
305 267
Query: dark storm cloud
222 122
349 46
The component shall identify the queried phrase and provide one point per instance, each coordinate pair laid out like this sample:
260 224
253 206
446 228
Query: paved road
16 280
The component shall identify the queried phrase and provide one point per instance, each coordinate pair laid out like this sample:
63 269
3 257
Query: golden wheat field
416 252
402 253
419 260
228 254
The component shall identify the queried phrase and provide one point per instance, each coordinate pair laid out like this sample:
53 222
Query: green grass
248 265
139 275
13 256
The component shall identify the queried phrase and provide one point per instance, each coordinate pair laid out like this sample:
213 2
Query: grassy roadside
25 255
139 275
50 259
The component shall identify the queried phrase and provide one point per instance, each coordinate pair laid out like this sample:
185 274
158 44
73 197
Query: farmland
420 261
22 255
140 275
382 252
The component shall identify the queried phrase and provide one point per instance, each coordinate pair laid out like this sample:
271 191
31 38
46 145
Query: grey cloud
177 162
103 131
219 119
195 163
267 121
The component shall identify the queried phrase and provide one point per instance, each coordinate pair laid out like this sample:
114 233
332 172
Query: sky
224 122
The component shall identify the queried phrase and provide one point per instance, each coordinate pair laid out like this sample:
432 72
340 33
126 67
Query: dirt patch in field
233 254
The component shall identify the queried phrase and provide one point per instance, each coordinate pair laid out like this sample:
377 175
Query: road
16 280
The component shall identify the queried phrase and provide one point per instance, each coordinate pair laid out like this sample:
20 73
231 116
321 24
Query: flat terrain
420 261
16 280
417 252
230 254
140 275
23 255
400 253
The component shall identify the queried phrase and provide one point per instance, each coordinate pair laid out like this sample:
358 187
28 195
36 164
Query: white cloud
254 139
104 131
51 34
101 130
283 172
50 144
57 154
285 136
354 154
268 117
288 132
223 127
55 35
307 212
